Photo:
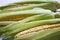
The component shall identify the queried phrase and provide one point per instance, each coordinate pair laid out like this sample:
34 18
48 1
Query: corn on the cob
27 2
38 25
22 35
23 26
50 6
35 18
18 15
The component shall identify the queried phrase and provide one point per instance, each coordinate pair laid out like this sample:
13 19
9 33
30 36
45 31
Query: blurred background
6 2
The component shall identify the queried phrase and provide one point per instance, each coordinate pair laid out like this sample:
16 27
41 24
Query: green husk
19 15
53 1
14 17
19 3
49 34
12 30
25 5
21 10
57 15
29 2
38 17
50 6
4 23
35 18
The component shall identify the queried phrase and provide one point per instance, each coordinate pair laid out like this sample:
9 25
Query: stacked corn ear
25 5
30 4
30 20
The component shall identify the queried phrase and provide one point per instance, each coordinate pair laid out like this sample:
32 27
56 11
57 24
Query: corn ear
48 33
38 17
50 6
23 26
27 2
19 15
35 18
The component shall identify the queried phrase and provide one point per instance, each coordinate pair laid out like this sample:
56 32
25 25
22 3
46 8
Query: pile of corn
30 20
